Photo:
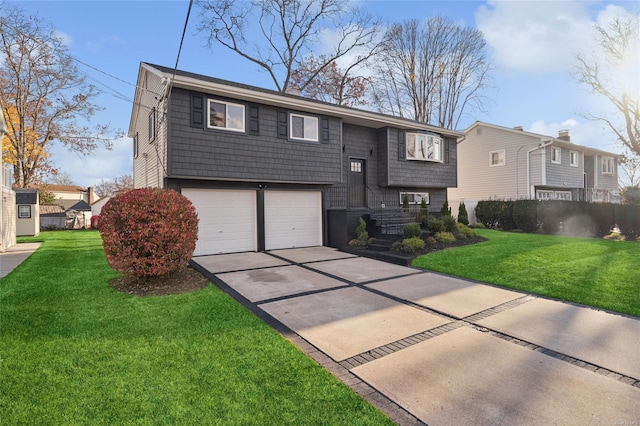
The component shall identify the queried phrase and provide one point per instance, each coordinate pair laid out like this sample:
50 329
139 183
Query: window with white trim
303 127
415 197
24 212
135 145
553 195
555 155
574 158
424 147
497 158
152 125
225 115
607 165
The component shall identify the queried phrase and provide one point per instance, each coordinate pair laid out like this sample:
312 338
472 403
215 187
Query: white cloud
542 36
112 41
63 37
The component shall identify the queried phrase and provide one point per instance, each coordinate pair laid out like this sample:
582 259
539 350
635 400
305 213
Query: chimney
563 135
91 195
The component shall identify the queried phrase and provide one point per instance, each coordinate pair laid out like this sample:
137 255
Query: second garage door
292 219
227 220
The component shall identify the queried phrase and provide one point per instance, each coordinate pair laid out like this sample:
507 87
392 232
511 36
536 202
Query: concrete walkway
15 255
432 349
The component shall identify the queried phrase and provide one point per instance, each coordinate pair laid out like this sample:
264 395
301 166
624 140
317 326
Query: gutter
540 146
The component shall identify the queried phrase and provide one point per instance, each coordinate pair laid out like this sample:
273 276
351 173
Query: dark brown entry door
357 183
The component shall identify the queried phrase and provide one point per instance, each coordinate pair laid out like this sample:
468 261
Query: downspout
540 146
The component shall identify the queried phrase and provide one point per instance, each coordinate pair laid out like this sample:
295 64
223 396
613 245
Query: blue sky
532 43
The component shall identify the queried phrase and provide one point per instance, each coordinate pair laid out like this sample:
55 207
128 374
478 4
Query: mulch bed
183 281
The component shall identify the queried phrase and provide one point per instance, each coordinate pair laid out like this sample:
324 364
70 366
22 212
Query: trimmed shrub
450 224
430 241
628 220
405 202
631 195
604 218
411 245
495 214
614 236
477 225
465 232
445 237
396 246
525 215
424 209
463 216
412 230
445 210
434 224
148 232
362 236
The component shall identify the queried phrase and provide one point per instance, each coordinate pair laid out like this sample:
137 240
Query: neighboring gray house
267 170
496 162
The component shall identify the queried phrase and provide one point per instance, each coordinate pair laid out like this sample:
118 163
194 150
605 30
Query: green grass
599 273
75 351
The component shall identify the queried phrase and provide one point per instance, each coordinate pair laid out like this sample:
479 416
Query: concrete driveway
429 348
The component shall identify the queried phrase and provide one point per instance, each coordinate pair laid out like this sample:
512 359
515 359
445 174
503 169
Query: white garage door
227 220
292 219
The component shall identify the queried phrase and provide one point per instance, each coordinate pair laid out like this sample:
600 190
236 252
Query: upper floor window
555 155
574 158
226 115
152 125
424 147
303 127
607 165
497 158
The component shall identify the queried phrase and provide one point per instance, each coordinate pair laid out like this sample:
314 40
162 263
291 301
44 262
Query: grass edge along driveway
75 351
594 272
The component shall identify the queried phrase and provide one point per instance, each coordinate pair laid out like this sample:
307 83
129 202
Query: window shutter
325 130
254 120
283 124
402 145
197 111
446 151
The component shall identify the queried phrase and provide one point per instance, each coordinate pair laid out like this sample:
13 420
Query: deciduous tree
277 35
612 72
432 71
109 188
43 97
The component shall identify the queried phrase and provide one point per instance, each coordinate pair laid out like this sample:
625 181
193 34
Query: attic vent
518 128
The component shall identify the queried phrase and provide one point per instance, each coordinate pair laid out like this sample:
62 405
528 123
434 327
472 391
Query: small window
415 197
555 155
152 125
497 158
607 165
24 212
303 127
224 115
135 145
424 147
356 166
574 158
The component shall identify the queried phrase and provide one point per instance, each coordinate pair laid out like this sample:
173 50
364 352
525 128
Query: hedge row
577 218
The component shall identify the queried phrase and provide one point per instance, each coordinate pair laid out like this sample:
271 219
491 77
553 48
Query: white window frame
24 211
152 125
557 153
420 143
501 156
549 194
607 166
415 197
305 119
574 158
135 145
227 120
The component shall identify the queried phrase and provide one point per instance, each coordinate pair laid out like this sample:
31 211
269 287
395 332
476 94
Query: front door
357 183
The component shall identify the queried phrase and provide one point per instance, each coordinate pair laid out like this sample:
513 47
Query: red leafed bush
148 232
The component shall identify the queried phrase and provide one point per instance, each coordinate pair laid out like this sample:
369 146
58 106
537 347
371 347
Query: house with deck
496 162
268 170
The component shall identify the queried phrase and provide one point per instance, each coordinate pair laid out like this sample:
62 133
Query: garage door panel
293 219
227 220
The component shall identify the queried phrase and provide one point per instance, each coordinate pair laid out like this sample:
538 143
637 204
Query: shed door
227 220
292 219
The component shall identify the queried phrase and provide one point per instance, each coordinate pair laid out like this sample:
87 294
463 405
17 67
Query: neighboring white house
496 162
96 207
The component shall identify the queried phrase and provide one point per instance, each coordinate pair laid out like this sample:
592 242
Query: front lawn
599 273
75 351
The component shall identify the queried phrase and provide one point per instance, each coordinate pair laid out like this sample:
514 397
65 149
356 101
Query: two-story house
496 162
267 170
